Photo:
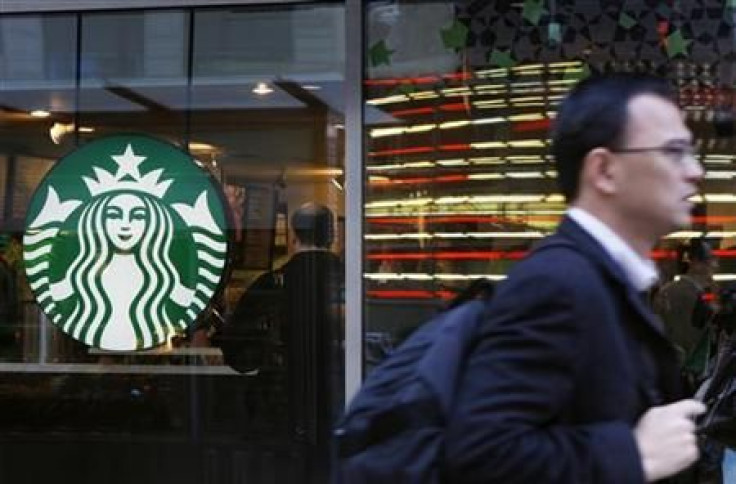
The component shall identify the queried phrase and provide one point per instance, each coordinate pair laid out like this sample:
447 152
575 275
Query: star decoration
501 58
379 54
533 10
128 164
626 21
455 36
676 44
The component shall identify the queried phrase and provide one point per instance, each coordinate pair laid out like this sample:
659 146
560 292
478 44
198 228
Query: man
313 285
291 318
573 377
681 304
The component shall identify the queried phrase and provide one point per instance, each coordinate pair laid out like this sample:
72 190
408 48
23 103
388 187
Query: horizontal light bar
465 211
386 276
457 235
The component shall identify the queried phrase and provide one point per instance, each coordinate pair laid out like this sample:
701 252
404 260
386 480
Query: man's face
654 186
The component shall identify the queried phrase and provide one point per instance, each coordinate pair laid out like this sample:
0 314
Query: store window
255 96
459 98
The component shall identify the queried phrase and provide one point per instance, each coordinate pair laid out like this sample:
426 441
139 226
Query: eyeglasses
677 153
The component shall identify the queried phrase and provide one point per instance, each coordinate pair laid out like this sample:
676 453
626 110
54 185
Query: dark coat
569 359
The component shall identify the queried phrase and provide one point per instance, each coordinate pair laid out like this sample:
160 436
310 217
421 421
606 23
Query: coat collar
571 230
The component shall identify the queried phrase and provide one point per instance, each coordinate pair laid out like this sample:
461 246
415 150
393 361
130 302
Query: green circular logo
125 242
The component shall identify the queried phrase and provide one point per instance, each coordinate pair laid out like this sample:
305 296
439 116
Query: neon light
526 126
402 151
455 147
463 219
411 112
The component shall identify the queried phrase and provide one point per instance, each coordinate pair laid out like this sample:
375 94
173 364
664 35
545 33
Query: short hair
595 114
697 249
313 224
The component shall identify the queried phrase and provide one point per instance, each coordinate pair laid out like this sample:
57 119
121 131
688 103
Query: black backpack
393 429
252 337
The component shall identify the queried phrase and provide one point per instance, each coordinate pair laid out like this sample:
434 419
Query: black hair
697 249
314 224
595 114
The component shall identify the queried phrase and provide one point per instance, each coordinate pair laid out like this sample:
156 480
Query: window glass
256 96
459 184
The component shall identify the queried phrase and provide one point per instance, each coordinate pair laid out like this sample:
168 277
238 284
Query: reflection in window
459 182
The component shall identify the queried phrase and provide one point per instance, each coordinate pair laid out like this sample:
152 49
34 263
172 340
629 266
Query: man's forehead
649 114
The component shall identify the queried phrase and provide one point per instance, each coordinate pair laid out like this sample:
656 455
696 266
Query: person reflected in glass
296 311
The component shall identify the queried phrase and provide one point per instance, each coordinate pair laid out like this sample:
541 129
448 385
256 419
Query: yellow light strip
719 198
524 174
458 235
486 176
684 234
488 144
386 276
453 162
454 124
401 98
464 211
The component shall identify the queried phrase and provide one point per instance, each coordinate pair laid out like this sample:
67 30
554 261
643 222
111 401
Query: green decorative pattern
455 36
379 54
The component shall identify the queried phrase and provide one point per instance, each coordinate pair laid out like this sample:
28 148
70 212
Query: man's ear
600 171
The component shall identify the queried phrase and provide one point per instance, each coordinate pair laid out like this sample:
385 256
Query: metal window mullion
353 196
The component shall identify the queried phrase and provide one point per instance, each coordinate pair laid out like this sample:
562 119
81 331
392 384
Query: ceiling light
58 130
40 113
311 87
198 146
262 89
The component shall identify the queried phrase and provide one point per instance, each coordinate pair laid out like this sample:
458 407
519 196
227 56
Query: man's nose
694 168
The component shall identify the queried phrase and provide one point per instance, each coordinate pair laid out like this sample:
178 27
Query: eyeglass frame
677 153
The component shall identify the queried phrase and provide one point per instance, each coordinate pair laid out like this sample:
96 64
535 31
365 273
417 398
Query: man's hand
666 438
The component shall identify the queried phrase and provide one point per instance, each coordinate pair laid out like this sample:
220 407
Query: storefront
421 126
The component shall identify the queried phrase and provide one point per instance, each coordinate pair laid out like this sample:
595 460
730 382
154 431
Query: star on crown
128 177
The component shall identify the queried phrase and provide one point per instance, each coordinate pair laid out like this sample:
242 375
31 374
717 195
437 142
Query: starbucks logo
125 242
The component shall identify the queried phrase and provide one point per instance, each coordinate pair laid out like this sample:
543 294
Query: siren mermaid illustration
121 289
124 242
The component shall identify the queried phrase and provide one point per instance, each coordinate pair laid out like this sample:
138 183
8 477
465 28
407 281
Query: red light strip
454 107
525 126
453 76
456 147
725 253
467 255
713 219
508 255
402 151
411 112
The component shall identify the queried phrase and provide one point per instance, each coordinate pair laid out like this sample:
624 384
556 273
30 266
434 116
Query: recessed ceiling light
198 146
39 113
262 89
